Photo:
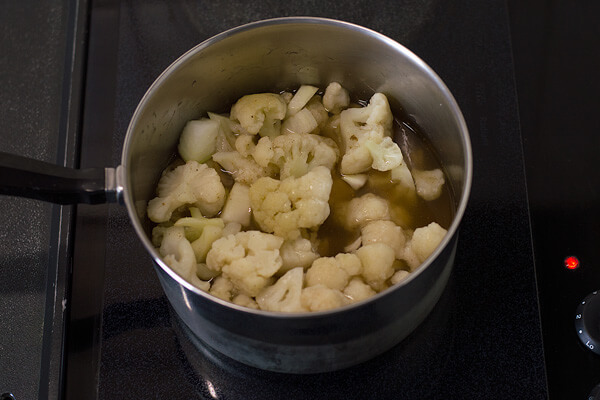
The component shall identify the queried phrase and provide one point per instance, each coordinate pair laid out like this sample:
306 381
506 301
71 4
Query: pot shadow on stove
397 372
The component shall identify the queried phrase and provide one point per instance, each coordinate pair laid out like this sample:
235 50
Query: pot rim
304 20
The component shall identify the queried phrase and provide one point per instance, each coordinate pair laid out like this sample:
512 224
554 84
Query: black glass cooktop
83 313
482 340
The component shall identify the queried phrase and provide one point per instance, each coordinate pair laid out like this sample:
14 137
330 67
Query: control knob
587 322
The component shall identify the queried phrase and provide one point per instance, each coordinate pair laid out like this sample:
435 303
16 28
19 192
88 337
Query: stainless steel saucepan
273 55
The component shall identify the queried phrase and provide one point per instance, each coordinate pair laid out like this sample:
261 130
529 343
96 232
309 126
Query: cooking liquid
407 211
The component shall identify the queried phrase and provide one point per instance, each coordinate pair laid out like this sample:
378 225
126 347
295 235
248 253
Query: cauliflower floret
405 183
377 261
384 151
248 259
333 272
297 253
399 276
358 290
321 298
429 183
366 135
243 169
192 183
263 152
244 144
356 160
424 241
285 294
203 244
221 287
285 207
178 254
335 98
260 113
366 208
196 223
245 301
201 232
296 154
158 233
384 232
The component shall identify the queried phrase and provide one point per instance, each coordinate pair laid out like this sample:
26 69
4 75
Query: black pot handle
26 177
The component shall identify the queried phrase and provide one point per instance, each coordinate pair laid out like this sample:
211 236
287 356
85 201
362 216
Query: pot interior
282 54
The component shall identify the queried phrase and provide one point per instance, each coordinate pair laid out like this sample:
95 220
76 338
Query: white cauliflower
335 98
429 183
322 298
285 294
385 153
296 253
296 154
399 276
222 288
285 207
263 152
358 290
377 263
366 208
260 113
423 242
384 232
190 184
405 183
202 245
359 121
201 232
243 169
196 223
245 301
177 253
334 272
280 155
244 144
248 259
366 135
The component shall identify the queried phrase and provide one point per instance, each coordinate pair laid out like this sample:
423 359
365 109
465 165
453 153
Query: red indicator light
571 262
